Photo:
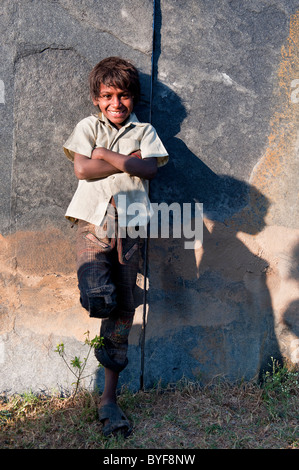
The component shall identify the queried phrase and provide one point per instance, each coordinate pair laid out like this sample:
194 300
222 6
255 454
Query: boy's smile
116 104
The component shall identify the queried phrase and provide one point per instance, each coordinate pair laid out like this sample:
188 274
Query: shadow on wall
210 311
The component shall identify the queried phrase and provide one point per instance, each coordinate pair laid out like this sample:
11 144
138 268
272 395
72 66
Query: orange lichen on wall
277 167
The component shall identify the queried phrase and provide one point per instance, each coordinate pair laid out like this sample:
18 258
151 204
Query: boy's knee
117 363
115 333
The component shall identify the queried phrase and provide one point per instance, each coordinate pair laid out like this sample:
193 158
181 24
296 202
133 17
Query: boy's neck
121 125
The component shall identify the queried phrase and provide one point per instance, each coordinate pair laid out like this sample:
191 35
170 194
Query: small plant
77 366
280 381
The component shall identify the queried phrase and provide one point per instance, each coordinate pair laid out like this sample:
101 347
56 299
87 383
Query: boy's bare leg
109 393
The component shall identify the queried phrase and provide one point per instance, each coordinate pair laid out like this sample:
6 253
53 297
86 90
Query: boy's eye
123 96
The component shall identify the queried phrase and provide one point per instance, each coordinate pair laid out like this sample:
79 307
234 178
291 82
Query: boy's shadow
209 311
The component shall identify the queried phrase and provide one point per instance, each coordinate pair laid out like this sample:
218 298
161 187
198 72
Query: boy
114 156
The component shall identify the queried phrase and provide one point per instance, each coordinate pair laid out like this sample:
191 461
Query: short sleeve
82 139
152 146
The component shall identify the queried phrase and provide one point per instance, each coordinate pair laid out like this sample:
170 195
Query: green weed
77 366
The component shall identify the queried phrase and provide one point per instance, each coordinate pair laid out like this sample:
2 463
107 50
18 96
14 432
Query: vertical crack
156 50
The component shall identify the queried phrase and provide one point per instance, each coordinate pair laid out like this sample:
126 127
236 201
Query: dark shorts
107 267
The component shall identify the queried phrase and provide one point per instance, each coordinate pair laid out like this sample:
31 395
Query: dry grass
222 416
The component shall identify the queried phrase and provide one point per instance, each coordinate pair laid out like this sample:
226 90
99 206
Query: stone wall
224 100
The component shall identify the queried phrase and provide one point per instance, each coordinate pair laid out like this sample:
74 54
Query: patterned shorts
107 267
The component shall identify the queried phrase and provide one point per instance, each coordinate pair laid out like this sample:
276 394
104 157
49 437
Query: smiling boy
114 157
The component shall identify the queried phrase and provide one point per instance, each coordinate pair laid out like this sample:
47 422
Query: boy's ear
95 101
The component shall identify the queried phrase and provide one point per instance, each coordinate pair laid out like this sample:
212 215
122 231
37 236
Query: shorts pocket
101 301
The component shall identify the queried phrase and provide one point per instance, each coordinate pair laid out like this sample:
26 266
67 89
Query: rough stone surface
225 103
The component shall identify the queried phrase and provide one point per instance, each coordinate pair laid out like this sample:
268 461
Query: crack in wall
156 46
27 50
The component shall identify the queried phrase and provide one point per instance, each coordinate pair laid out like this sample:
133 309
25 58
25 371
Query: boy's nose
116 102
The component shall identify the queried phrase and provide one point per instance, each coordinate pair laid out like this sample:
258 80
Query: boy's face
115 104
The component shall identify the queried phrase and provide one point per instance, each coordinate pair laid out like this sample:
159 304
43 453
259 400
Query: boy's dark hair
117 72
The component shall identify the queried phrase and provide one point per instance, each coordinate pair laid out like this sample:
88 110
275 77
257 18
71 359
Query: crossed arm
104 162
